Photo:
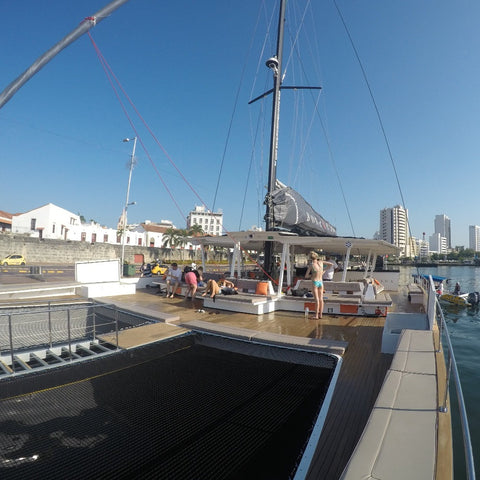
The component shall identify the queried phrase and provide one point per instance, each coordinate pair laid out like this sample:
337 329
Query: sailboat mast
275 64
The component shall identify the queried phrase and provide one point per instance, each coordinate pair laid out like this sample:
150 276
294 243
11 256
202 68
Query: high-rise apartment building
438 243
474 237
394 227
442 226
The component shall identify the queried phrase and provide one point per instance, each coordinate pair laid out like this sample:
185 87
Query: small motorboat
462 299
458 299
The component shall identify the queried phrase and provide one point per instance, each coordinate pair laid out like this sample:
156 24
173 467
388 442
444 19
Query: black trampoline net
182 409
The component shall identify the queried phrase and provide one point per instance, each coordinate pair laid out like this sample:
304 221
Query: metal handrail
68 309
452 371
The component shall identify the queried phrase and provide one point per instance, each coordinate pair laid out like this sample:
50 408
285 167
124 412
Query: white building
394 227
422 248
474 237
48 221
92 233
443 227
211 222
53 222
438 244
153 232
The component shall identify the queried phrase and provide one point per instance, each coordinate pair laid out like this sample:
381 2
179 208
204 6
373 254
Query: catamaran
152 394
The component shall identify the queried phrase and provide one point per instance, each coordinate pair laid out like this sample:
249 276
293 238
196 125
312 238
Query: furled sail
292 212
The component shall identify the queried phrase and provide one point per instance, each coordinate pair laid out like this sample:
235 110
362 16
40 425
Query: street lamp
132 162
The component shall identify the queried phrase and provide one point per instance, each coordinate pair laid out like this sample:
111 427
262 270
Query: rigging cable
329 146
110 74
376 108
235 103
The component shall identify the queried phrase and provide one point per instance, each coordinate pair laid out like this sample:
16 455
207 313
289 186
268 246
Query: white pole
132 161
345 263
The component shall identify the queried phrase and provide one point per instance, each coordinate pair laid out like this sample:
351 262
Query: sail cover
292 212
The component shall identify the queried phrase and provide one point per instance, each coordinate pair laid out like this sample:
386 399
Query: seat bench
387 449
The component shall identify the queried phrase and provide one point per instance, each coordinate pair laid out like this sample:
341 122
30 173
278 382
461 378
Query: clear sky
190 68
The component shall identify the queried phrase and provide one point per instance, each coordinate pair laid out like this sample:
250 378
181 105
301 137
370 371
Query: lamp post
132 162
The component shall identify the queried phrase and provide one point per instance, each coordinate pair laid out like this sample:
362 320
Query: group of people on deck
193 277
319 271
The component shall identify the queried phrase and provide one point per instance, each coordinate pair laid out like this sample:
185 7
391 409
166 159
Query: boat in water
133 385
460 299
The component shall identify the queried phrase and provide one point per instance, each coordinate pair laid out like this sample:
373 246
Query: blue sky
181 63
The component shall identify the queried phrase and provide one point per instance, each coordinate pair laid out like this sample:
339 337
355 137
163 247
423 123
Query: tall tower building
442 226
474 237
394 226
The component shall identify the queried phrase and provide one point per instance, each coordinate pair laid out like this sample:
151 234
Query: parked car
159 269
13 260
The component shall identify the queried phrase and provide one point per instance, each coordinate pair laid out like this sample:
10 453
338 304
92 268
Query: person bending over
191 281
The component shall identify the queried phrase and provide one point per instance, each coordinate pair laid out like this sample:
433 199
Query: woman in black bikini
315 272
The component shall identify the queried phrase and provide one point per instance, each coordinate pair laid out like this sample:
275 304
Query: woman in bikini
315 272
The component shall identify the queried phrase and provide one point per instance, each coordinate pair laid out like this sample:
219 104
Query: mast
275 64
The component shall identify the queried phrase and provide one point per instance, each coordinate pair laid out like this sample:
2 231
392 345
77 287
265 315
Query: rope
109 73
387 143
329 148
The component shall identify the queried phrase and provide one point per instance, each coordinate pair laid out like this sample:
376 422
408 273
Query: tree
195 230
182 239
170 238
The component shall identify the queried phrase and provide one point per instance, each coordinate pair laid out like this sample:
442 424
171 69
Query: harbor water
463 324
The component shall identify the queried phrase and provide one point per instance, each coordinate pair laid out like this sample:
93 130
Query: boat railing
452 373
50 325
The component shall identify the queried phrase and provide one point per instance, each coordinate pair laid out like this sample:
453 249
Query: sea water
463 324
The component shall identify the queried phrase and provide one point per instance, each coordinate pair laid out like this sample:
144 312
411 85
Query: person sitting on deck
226 286
212 289
173 276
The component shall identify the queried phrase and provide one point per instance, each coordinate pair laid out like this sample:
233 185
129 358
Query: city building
52 222
5 221
394 227
153 232
422 247
47 221
211 222
438 244
443 227
474 237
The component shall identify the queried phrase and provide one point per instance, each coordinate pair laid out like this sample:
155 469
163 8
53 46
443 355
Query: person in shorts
191 281
173 277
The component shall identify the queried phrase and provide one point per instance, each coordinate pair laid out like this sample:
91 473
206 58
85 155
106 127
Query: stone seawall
60 252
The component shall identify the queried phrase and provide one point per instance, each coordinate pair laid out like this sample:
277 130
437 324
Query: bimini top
255 240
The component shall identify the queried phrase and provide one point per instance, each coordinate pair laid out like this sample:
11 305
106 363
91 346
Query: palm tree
170 238
182 239
195 230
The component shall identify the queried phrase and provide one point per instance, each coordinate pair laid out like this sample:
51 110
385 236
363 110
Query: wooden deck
359 382
361 376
